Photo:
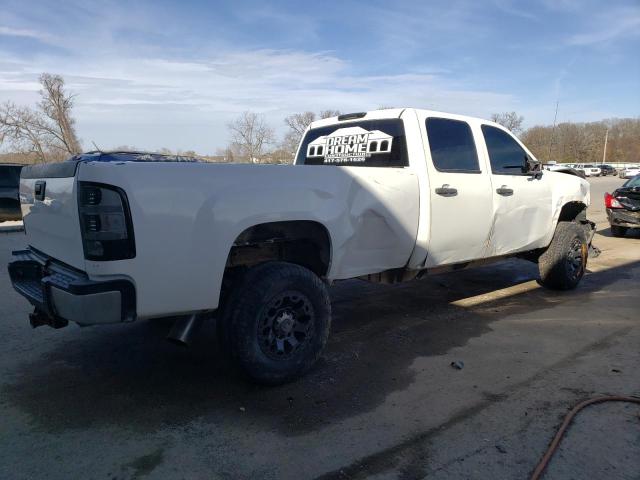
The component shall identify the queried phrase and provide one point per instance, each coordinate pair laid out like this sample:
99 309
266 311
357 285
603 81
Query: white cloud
609 26
516 9
27 33
156 102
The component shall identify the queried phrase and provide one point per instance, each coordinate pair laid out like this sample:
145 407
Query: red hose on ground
565 424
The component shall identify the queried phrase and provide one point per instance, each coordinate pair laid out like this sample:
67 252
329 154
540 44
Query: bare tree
329 113
56 104
225 153
21 126
298 123
290 142
250 134
46 131
509 120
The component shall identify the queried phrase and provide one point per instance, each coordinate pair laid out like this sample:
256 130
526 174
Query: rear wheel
278 322
618 231
563 263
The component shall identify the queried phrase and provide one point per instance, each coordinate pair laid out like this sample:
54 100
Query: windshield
367 143
633 182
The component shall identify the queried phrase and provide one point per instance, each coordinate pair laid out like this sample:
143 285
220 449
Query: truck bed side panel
186 217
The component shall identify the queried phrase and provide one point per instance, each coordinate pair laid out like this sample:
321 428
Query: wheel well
302 242
573 211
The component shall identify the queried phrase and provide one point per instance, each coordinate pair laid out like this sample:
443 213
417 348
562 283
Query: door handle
447 191
504 191
39 189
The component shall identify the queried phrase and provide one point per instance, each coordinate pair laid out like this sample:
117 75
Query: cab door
461 204
523 213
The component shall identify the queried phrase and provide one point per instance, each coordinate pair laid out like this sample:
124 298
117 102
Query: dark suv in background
607 170
9 196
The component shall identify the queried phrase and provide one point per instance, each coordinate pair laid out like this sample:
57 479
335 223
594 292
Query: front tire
618 231
563 263
278 322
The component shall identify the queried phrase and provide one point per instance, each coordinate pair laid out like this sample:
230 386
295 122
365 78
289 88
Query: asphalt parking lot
119 402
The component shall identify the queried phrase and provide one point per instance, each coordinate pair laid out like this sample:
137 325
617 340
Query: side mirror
532 167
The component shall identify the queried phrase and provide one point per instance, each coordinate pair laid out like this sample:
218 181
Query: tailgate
48 196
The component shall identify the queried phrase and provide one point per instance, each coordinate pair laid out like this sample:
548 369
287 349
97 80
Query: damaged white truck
386 196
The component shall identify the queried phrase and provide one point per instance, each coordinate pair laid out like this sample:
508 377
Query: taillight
105 221
611 202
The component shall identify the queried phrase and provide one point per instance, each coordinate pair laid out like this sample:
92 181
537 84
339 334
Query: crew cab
384 196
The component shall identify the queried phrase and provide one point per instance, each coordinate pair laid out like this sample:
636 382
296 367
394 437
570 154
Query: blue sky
158 74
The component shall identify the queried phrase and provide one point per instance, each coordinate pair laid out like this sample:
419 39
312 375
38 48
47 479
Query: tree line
46 132
585 142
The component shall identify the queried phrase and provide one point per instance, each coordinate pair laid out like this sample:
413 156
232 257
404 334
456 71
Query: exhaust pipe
184 328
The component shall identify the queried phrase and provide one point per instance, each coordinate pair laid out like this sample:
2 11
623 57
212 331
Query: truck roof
394 113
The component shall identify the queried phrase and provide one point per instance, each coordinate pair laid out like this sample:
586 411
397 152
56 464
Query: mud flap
590 231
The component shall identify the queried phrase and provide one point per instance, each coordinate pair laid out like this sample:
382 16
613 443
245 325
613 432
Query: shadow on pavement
631 233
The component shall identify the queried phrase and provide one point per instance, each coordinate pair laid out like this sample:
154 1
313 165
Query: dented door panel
522 220
380 226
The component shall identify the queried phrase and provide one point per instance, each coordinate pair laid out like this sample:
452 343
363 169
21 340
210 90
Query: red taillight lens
611 202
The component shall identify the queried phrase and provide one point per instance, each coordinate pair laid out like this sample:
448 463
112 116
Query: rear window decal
349 145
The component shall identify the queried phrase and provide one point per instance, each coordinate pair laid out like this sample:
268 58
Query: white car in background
556 167
629 172
588 169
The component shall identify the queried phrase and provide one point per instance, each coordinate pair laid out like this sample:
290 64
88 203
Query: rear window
9 176
367 143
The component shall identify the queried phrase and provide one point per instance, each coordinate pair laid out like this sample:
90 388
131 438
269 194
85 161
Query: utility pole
604 152
553 131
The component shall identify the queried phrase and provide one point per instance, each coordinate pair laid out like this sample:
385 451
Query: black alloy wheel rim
286 325
576 259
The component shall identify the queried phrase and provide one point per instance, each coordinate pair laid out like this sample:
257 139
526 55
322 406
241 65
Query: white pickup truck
385 196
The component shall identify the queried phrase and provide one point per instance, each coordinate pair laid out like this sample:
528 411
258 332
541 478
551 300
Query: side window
452 146
505 154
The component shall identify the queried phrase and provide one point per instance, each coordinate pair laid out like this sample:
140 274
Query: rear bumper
623 218
61 294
